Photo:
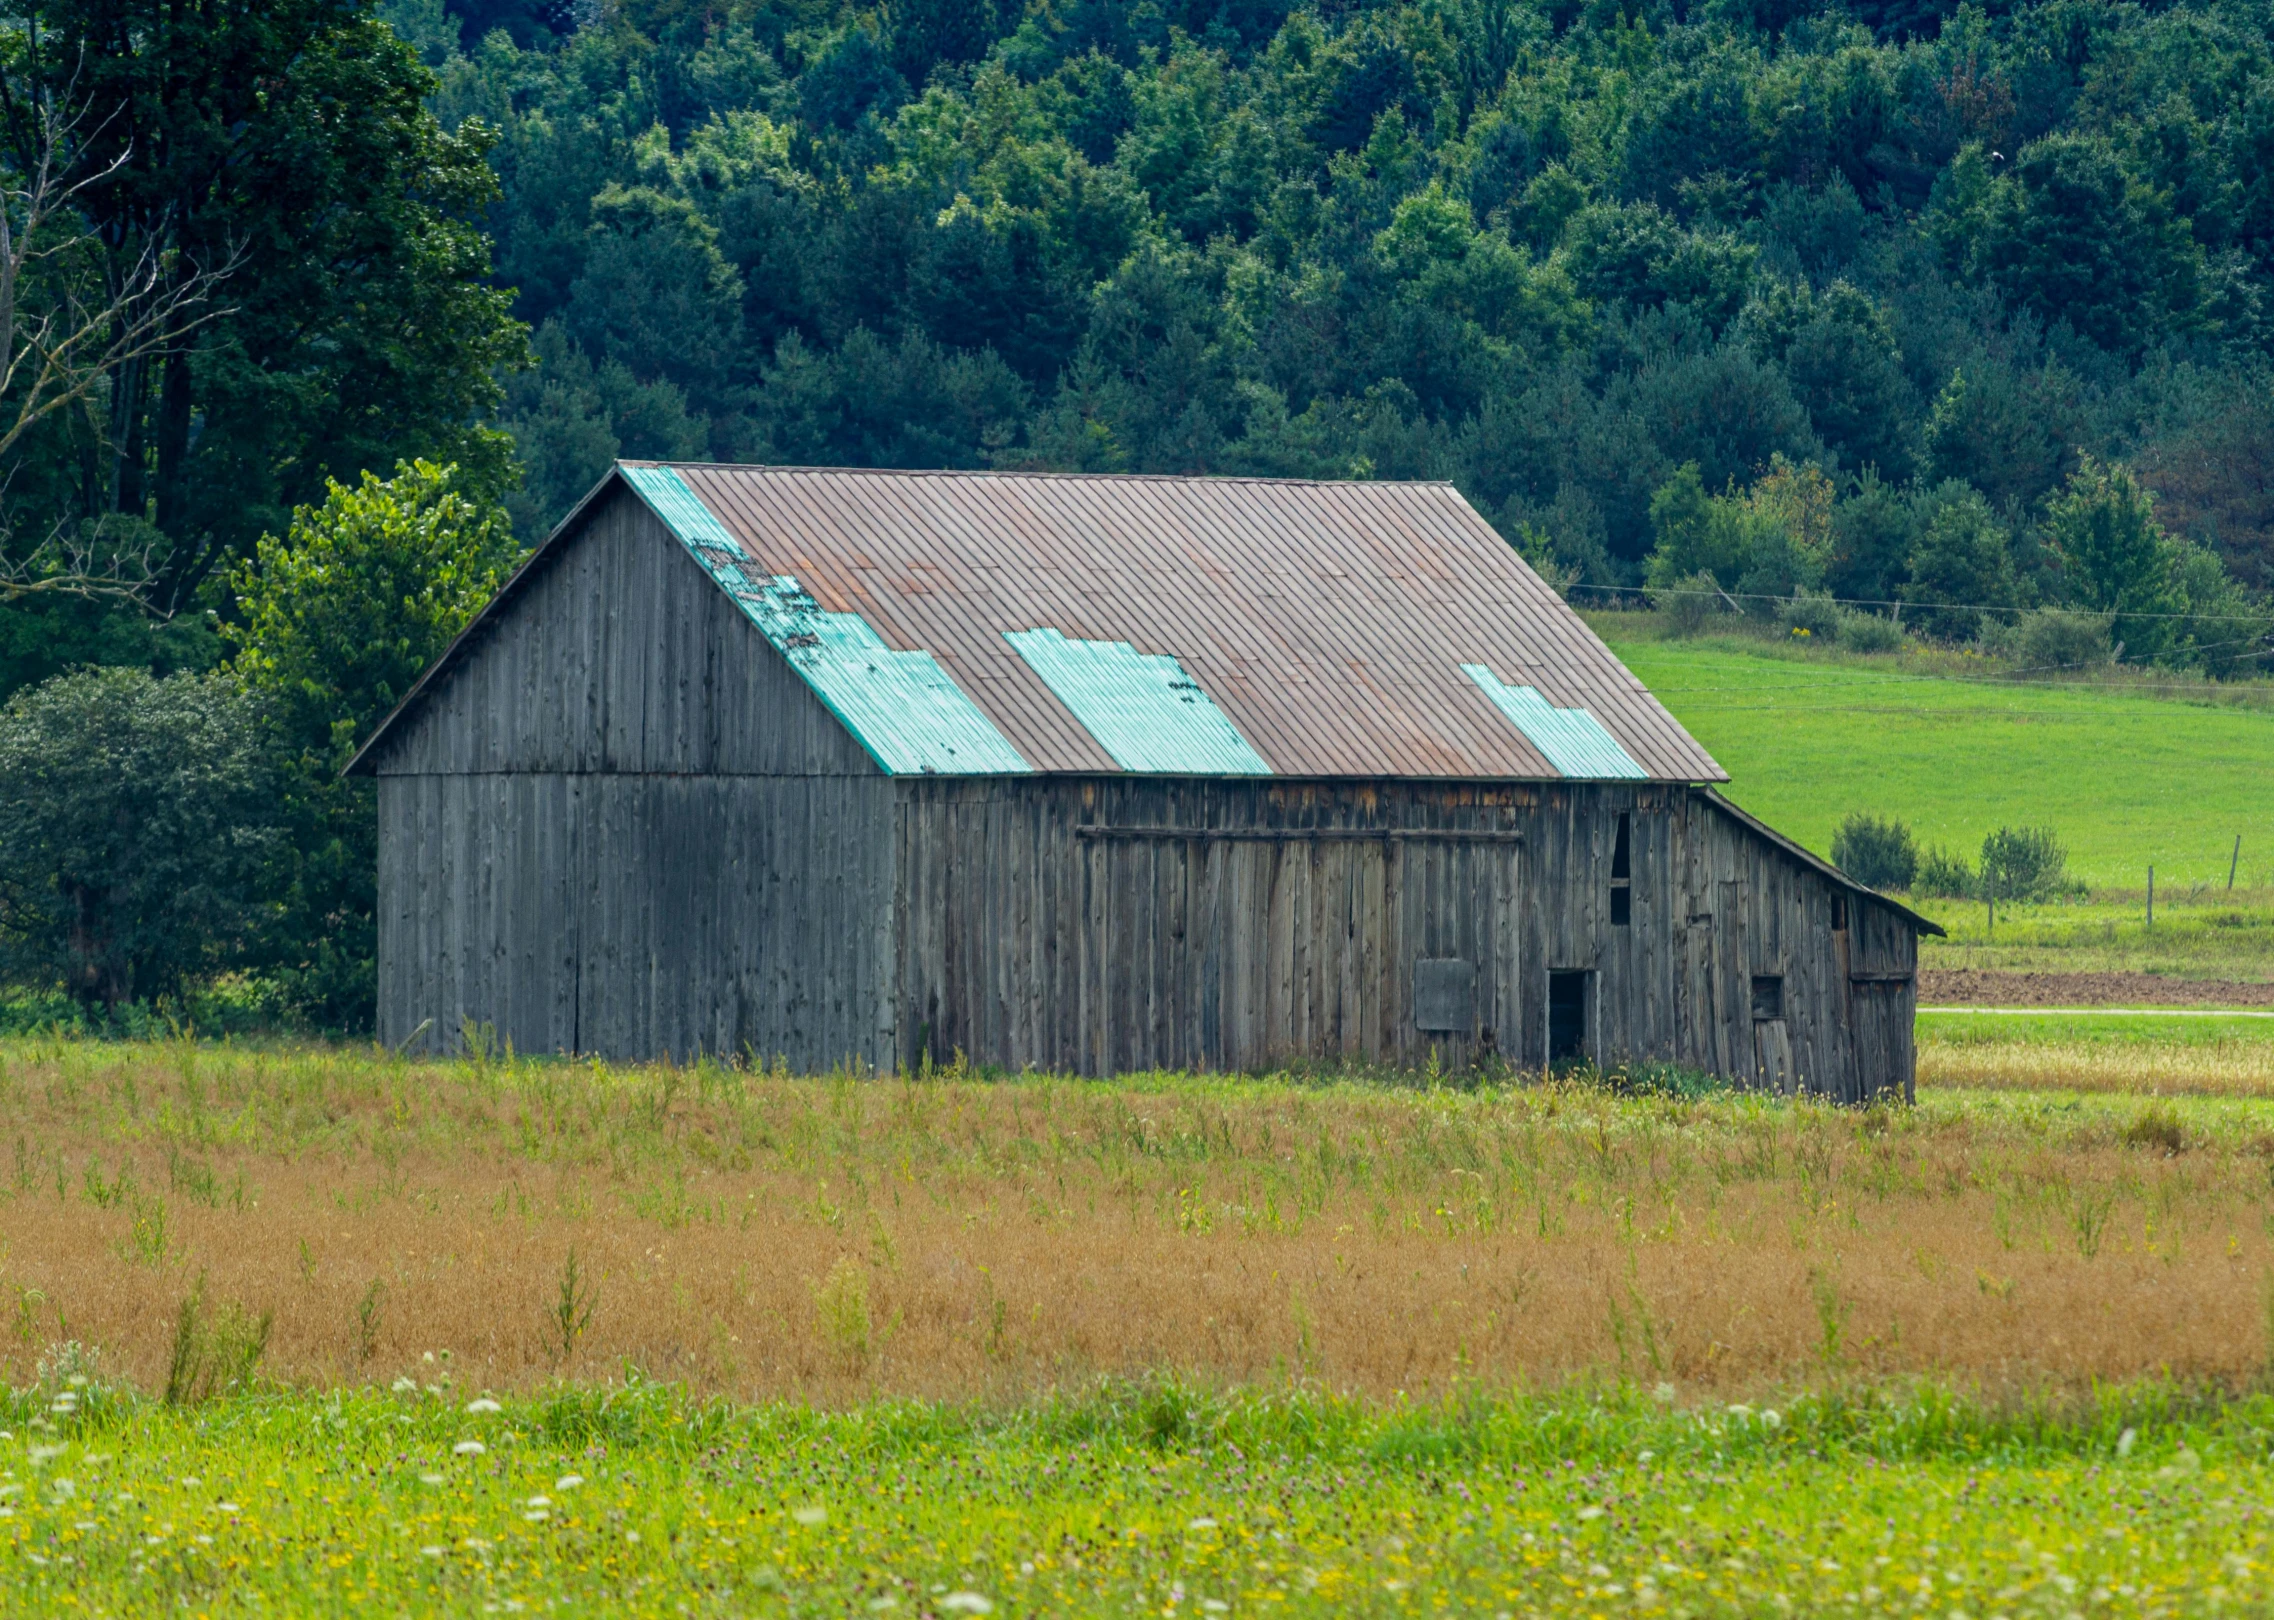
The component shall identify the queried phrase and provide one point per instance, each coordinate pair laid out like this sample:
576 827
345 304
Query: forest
314 315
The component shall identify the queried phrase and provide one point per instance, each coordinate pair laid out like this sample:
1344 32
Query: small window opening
1622 871
1768 997
1839 914
1567 1017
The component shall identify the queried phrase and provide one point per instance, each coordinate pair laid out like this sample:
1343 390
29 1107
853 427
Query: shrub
1942 875
2023 863
2158 1127
138 822
1876 852
1814 612
1871 633
1690 604
2053 641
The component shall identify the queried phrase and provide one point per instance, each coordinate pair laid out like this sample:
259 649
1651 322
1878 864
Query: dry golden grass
836 1239
2237 1068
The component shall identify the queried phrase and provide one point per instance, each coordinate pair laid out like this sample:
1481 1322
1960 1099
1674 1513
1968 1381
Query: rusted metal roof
1328 627
1328 622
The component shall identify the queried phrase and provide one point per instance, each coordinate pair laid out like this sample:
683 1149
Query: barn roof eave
1808 857
366 760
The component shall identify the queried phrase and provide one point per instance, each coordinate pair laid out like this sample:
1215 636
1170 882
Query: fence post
2232 862
2151 897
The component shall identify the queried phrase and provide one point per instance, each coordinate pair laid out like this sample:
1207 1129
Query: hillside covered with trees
1557 253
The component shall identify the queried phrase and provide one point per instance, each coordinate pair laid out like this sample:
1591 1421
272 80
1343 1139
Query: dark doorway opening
1567 1017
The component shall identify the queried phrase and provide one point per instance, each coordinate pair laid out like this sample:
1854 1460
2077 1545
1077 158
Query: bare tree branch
73 320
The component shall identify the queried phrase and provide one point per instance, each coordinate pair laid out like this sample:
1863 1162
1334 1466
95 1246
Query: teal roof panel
1574 741
902 707
1142 708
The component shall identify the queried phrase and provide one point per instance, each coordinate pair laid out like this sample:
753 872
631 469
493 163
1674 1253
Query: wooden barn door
1236 950
1456 948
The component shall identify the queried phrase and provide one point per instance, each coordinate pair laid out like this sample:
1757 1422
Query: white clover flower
966 1603
468 1448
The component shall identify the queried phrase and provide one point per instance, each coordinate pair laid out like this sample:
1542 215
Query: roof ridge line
1069 477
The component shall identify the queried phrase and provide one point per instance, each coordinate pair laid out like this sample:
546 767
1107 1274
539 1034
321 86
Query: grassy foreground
2127 777
1136 1499
316 1330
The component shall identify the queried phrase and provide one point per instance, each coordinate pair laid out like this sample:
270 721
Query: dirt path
1970 987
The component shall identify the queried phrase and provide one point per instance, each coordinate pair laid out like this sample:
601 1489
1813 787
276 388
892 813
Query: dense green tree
334 621
1961 571
289 143
2116 557
138 819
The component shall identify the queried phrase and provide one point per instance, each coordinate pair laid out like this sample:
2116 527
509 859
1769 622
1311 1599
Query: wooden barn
1088 774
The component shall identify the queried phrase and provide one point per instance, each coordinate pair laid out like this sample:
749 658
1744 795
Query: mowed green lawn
2126 780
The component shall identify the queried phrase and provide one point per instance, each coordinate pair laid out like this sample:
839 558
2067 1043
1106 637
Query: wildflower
1663 1394
966 1603
816 1514
538 1502
537 1515
1591 1511
484 1404
404 1386
2124 1442
1215 1605
430 1552
469 1448
227 1507
475 1544
1772 1419
430 1479
189 1482
1201 1524
568 1482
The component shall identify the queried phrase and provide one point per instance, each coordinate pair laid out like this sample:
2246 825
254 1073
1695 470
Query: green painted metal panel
1573 740
1142 708
901 706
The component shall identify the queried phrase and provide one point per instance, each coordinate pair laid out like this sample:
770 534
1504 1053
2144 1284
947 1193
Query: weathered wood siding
1103 925
622 825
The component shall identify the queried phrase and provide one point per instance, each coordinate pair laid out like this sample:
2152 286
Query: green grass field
1138 1498
2127 778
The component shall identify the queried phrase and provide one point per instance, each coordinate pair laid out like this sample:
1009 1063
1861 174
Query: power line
1717 594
